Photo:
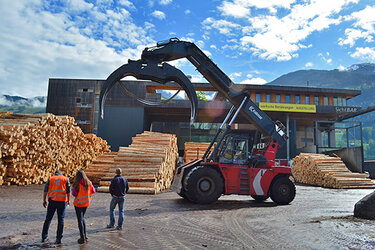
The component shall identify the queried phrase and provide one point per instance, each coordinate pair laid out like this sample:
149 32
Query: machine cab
234 149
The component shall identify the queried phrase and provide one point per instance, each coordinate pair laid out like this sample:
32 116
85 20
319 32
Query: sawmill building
309 114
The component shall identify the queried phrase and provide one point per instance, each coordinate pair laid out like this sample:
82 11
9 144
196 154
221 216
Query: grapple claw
161 73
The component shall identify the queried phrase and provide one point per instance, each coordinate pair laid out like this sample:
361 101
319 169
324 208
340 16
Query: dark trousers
80 212
51 209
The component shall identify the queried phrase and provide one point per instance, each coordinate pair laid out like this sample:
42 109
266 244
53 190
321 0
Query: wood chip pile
325 171
195 150
148 163
34 146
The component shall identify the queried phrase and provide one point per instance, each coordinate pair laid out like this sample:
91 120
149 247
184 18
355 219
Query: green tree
202 96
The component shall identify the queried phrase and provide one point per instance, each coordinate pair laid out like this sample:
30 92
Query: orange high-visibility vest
57 188
83 197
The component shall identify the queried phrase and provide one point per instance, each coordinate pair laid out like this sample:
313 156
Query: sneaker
110 226
81 240
118 228
58 241
44 240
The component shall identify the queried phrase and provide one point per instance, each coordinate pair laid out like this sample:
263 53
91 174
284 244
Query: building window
268 98
326 100
258 97
335 101
298 100
287 98
343 101
307 99
278 98
78 100
316 100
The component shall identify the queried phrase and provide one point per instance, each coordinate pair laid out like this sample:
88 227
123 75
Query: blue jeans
120 201
51 209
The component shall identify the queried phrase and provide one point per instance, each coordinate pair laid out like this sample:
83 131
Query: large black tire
283 191
259 197
183 195
203 185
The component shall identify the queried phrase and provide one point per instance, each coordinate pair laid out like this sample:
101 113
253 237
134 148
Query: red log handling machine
241 162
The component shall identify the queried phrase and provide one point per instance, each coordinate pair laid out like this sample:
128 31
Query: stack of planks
194 150
34 146
148 163
325 171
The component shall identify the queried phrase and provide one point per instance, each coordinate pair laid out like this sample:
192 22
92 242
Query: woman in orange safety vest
82 191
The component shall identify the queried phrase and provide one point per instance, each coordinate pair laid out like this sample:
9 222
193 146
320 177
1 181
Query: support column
287 141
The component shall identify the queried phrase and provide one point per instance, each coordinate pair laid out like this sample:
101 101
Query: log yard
239 180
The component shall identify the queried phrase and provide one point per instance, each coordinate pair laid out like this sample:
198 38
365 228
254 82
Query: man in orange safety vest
57 189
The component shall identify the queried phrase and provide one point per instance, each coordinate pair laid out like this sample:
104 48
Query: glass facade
287 98
316 100
258 97
268 98
298 100
307 99
326 100
278 98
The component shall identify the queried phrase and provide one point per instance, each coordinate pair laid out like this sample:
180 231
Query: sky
252 41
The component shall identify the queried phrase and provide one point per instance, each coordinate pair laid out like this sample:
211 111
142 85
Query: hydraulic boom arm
173 49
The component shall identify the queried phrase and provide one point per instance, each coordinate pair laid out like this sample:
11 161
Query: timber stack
100 167
34 146
326 171
148 163
194 150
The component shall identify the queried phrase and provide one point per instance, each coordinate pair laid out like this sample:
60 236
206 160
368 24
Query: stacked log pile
148 163
325 171
34 146
194 150
100 167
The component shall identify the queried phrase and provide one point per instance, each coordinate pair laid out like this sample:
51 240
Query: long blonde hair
79 176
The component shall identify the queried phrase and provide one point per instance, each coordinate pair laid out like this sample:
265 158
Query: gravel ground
318 218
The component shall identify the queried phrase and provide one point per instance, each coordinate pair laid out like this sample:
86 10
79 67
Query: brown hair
79 176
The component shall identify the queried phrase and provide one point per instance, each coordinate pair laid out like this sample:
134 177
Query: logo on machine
252 109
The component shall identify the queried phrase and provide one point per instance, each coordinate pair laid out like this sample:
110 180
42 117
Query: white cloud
234 10
127 3
158 14
241 8
256 80
235 75
325 57
364 54
38 44
309 65
341 68
165 2
187 12
363 27
277 37
224 27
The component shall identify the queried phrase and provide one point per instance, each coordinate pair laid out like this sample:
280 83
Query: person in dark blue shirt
118 188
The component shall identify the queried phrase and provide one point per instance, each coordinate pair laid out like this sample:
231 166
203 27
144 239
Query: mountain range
19 104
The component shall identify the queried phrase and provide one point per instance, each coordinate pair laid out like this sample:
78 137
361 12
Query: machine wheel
204 185
259 197
183 195
283 191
